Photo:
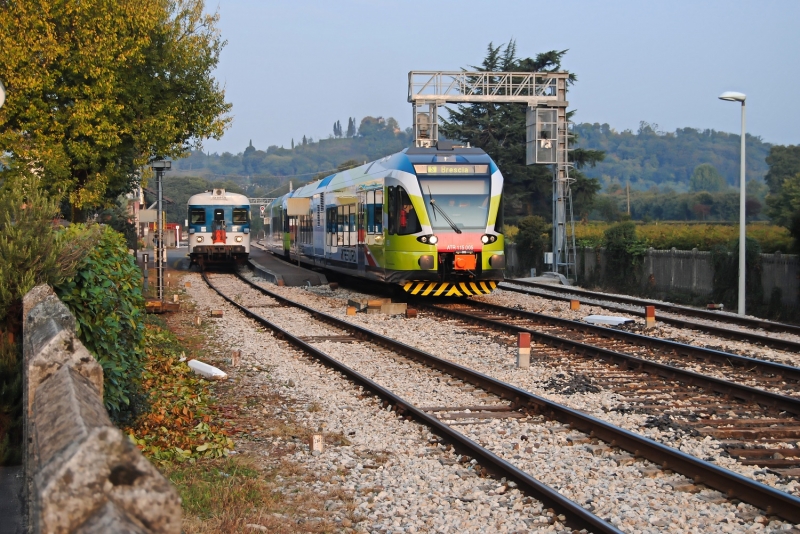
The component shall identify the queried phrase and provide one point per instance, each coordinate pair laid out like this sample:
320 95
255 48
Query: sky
293 68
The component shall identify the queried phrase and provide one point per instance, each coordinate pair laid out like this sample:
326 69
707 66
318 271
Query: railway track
525 404
635 306
651 378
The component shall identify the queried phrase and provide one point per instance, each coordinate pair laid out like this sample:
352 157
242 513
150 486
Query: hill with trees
271 168
668 160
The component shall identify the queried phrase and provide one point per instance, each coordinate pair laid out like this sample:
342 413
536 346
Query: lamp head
733 96
161 165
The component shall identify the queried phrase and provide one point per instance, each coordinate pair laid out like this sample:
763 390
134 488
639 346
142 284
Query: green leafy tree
351 127
33 250
97 89
706 178
499 129
783 179
784 162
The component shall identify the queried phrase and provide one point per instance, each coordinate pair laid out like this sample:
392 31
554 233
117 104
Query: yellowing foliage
682 236
96 89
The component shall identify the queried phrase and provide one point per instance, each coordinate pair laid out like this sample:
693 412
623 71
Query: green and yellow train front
443 235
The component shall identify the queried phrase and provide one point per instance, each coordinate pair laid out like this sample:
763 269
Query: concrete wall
691 272
82 474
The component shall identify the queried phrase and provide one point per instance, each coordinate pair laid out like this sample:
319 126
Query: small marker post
650 316
317 443
523 350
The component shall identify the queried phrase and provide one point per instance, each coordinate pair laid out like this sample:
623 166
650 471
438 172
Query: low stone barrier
82 473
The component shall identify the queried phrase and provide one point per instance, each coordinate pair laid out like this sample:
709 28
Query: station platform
281 272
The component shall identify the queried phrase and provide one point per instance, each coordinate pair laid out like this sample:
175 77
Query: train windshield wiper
435 207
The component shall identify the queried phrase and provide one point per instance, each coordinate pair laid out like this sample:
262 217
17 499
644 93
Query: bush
105 296
33 251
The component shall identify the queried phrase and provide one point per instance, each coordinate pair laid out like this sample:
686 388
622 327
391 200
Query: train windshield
465 200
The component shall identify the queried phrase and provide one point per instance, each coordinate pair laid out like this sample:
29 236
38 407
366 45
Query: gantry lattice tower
545 94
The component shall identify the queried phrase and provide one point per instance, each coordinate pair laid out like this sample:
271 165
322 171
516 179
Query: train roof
218 197
401 161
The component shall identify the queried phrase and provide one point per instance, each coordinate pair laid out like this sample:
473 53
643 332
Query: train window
374 212
219 219
404 214
240 215
305 229
340 230
197 216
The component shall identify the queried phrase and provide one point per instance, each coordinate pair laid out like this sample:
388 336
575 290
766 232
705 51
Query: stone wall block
88 472
52 346
109 518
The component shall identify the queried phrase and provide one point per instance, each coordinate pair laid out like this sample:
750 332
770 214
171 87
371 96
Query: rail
771 500
577 516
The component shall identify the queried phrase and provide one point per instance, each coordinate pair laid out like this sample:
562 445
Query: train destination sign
451 169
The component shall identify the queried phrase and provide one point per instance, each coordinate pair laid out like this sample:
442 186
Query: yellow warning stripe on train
449 289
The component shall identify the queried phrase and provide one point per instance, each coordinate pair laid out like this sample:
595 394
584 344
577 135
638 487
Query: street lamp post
160 166
732 96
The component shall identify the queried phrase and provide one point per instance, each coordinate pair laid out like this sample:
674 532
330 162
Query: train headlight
238 239
199 239
488 238
428 239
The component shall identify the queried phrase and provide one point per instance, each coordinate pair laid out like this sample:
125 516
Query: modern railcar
427 219
219 228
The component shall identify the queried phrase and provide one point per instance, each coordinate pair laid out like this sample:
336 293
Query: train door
331 244
319 228
287 240
361 248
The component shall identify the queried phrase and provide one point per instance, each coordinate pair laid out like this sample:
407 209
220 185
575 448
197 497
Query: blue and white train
219 228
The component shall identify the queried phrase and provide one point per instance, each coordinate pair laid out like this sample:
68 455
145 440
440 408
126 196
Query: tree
98 89
248 161
499 129
783 179
351 127
706 178
784 162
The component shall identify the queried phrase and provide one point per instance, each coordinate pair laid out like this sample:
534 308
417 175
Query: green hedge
105 296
